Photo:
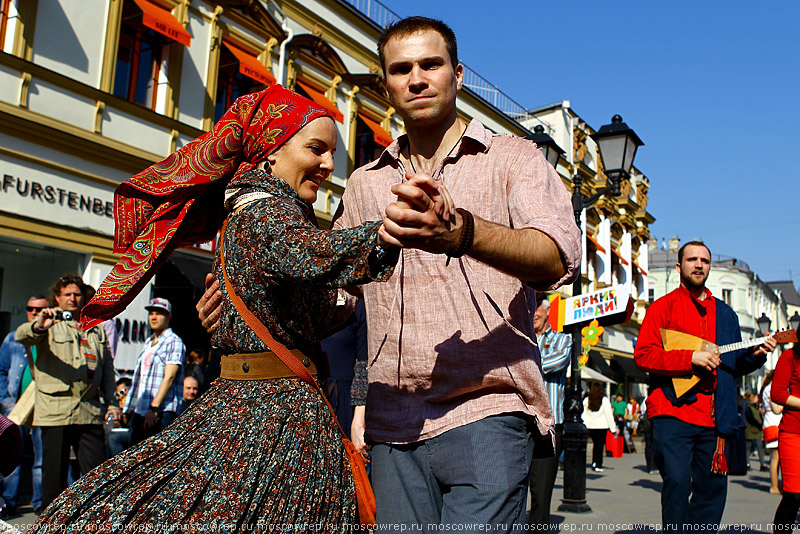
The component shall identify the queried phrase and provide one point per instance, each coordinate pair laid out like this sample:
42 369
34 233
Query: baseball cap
159 304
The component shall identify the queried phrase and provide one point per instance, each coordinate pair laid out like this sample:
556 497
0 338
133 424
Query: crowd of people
84 410
458 389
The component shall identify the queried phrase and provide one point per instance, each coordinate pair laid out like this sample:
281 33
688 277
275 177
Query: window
139 58
371 139
727 296
366 148
7 12
240 73
231 83
651 294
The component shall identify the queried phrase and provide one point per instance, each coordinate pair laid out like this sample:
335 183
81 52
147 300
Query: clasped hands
423 216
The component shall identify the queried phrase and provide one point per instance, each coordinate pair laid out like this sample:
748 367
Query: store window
240 73
28 269
146 34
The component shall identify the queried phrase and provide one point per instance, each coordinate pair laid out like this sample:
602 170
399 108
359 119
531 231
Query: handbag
364 495
22 413
771 433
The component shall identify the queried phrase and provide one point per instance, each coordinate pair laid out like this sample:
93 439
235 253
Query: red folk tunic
785 382
680 311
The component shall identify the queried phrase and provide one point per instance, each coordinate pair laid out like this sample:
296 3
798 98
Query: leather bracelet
466 237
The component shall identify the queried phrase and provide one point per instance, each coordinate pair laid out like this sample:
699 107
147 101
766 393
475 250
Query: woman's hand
209 307
357 429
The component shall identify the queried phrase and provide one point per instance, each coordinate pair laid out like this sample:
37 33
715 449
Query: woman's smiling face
306 160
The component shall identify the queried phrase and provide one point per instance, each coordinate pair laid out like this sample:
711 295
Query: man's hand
116 415
357 429
705 360
45 319
422 217
150 419
766 347
209 306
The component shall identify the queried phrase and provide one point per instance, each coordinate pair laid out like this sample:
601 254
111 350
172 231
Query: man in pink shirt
456 397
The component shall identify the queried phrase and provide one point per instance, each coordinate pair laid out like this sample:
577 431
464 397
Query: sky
711 87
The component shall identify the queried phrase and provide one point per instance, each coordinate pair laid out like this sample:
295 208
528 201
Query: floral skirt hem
248 456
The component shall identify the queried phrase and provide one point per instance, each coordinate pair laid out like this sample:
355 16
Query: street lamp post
617 144
763 323
795 321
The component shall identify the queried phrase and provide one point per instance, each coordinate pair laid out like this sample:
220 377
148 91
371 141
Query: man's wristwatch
154 409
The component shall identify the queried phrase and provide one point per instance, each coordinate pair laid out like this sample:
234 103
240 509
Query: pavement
625 499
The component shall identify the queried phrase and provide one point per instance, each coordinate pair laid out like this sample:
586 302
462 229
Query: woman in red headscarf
260 450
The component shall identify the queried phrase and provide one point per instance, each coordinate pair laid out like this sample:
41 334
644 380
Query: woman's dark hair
596 395
767 381
411 25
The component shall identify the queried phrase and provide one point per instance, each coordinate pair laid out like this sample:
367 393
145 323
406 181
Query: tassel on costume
719 465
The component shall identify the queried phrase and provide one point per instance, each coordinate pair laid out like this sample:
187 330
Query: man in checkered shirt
156 391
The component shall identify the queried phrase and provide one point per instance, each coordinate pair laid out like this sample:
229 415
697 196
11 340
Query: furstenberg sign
41 193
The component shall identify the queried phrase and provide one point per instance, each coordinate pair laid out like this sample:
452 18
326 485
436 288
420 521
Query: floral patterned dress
264 455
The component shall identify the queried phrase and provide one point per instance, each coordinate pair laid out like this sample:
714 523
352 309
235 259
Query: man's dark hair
67 280
410 25
38 296
124 380
693 243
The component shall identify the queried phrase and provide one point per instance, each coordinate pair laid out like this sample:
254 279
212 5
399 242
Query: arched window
146 33
240 73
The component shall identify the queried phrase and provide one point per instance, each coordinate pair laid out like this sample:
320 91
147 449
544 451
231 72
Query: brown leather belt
261 366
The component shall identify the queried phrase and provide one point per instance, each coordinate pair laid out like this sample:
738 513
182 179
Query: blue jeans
11 483
683 453
475 474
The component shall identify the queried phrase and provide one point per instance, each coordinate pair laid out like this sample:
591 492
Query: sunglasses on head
34 308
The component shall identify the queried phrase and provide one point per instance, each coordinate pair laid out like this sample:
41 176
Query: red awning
250 66
161 20
639 267
623 260
593 240
323 101
382 137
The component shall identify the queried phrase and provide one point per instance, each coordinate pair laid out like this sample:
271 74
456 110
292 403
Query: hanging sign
610 305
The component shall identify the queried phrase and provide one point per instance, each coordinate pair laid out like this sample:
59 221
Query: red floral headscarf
179 201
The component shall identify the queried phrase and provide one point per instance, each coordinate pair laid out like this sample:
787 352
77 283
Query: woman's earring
263 165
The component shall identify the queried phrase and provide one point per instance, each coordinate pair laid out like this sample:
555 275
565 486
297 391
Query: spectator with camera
157 389
72 368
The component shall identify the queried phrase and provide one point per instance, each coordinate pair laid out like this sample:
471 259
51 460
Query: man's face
694 267
34 307
159 320
540 319
70 299
190 388
421 81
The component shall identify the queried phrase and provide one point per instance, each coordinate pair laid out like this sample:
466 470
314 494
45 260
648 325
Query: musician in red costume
689 431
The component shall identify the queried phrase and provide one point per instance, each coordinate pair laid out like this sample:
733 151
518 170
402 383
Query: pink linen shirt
449 346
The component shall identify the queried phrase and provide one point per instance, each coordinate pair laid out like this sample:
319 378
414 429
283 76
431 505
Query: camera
63 315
